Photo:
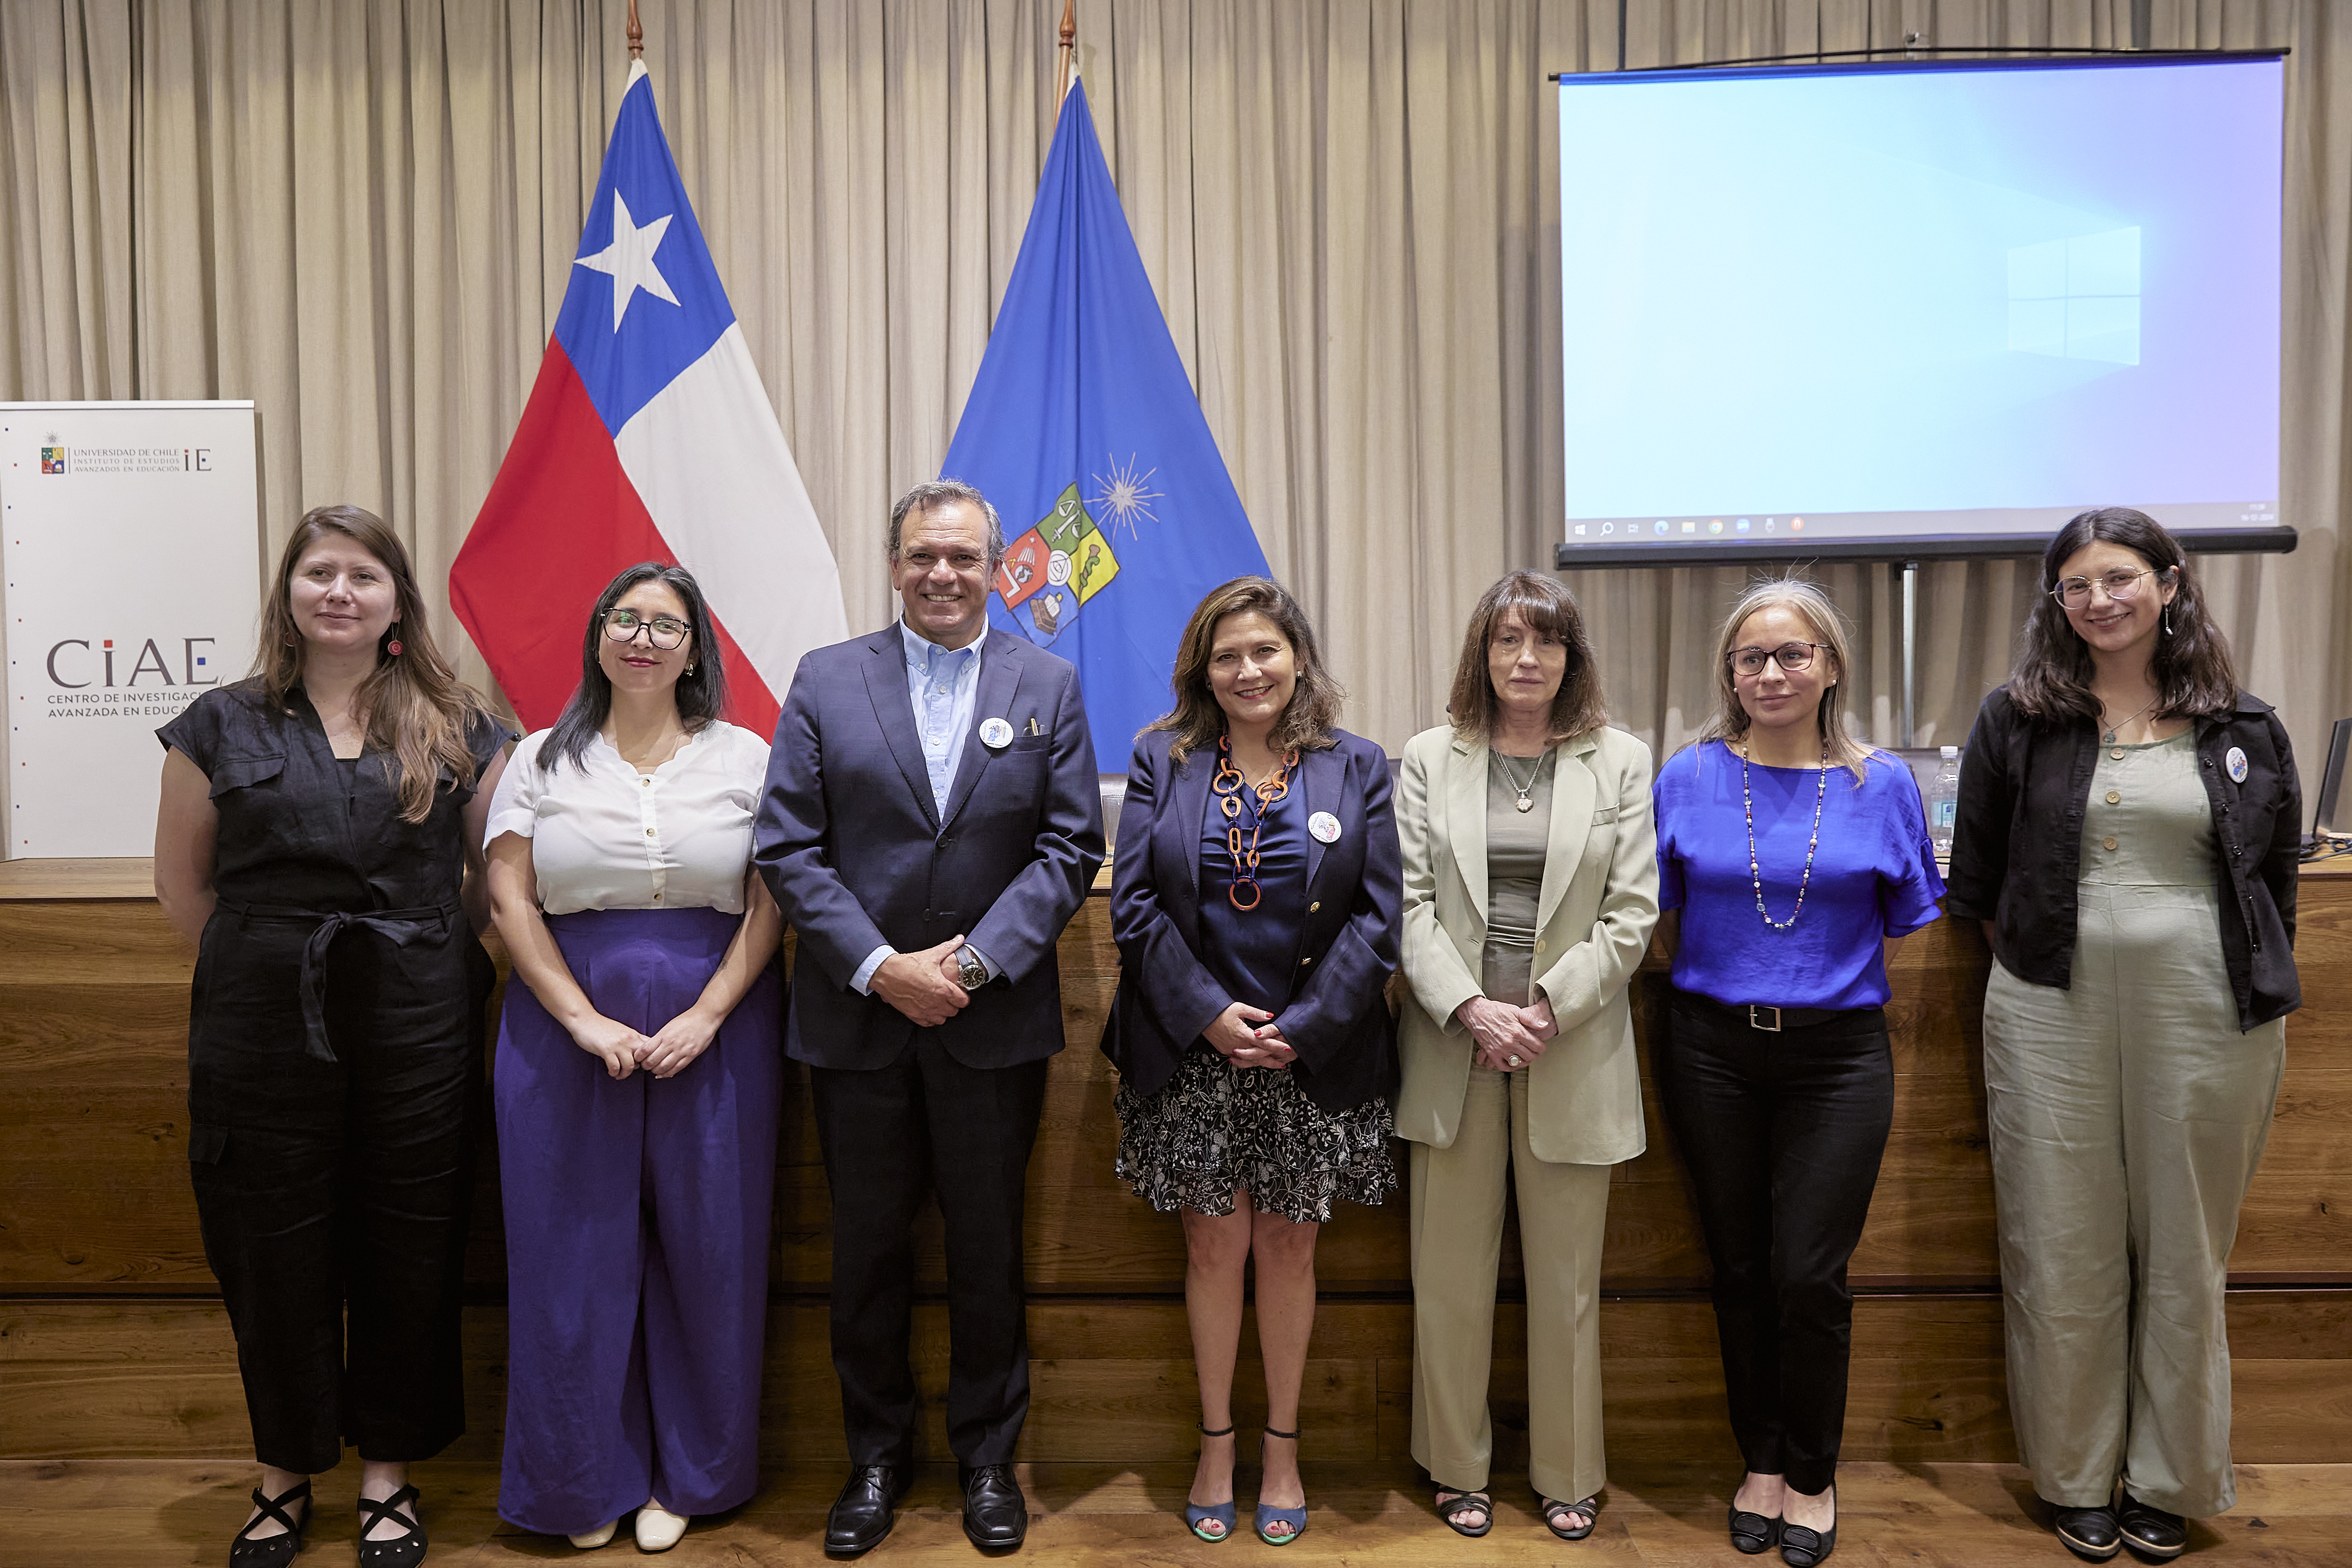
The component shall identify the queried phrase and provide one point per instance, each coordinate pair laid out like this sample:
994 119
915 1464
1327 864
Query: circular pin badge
995 734
1325 827
2236 763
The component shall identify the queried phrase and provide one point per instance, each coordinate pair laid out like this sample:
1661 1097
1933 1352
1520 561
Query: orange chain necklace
1231 788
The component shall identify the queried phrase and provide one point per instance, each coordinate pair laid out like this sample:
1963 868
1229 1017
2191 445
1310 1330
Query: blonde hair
415 709
1814 606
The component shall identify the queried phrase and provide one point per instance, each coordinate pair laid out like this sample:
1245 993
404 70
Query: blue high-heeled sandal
1196 1515
1268 1514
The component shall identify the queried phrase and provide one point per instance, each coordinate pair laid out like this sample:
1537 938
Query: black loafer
865 1512
2089 1533
2151 1532
1801 1548
995 1514
1753 1533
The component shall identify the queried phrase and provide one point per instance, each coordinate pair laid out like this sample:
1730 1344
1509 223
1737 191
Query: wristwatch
973 972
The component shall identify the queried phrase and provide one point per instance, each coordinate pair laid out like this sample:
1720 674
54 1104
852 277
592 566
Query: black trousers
334 1199
1782 1134
929 1123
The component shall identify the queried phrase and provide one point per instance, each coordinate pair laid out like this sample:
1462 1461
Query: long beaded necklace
1231 788
1755 871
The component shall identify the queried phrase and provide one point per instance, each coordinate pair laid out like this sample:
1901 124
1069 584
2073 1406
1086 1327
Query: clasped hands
1501 1031
663 1054
927 986
1248 1037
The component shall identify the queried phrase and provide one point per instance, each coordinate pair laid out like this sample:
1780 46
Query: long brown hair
416 710
1814 605
1314 709
2194 676
1549 610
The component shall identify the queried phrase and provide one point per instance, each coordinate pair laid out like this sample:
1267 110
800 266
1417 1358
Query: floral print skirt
1215 1127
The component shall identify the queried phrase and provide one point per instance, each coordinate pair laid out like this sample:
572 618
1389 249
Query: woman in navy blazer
1256 890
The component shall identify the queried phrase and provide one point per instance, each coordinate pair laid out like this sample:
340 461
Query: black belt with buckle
1773 1020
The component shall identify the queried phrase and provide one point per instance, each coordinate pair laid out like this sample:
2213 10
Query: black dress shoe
2089 1533
2151 1532
995 1514
865 1512
1752 1532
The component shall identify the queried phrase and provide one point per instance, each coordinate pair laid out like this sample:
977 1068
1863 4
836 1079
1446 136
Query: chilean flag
648 437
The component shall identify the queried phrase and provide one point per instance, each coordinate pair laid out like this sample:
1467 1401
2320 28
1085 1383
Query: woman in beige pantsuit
1530 886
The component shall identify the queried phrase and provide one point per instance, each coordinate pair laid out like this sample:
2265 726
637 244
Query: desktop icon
1715 525
1661 527
1768 525
1741 526
1579 529
1608 527
1796 525
1690 527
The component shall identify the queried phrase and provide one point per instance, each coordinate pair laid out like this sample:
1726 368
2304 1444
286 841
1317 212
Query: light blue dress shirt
942 686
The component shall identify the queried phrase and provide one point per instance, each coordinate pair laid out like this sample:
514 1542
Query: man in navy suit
931 822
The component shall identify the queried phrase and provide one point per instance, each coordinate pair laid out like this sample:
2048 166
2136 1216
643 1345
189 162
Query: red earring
392 648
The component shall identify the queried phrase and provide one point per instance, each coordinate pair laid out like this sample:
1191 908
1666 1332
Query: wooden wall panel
1112 1380
94 1204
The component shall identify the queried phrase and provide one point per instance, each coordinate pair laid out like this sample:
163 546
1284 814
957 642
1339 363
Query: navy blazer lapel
1000 674
1320 775
1190 794
885 683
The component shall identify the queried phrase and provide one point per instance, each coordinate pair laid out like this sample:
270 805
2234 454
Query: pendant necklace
1525 791
1755 871
2116 728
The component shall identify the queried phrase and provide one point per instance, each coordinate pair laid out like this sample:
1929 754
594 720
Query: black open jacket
2017 844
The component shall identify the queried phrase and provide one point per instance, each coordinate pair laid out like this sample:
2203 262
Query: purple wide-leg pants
637 1218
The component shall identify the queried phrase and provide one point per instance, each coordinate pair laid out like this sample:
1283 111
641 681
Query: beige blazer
1599 900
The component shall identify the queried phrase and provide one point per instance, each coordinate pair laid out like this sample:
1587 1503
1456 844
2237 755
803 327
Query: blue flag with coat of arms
1082 430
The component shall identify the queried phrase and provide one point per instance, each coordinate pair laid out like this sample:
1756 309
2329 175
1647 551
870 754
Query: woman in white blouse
637 1083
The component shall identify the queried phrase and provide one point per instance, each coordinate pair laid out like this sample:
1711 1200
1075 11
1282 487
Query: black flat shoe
272 1552
1752 1532
2090 1534
995 1514
2151 1532
865 1512
1801 1547
402 1551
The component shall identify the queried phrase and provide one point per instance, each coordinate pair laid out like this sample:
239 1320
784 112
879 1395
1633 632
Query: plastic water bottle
1944 803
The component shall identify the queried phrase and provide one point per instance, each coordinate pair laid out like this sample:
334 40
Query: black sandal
272 1551
1452 1509
403 1552
1554 1510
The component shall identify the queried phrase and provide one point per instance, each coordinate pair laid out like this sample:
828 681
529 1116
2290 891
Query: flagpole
636 34
1065 53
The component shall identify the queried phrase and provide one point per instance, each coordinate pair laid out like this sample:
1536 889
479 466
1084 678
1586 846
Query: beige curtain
361 214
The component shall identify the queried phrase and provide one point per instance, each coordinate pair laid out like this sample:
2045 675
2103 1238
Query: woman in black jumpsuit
335 1030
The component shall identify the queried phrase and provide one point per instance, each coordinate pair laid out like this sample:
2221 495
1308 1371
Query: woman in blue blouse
1790 859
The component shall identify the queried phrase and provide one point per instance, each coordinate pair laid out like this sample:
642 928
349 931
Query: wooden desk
112 1340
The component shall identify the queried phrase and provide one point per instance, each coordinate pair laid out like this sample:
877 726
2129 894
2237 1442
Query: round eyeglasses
2120 586
662 631
1788 655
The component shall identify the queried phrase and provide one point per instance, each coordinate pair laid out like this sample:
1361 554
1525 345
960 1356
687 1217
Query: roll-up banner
131 539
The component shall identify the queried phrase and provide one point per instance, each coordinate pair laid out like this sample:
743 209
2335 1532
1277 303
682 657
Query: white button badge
995 734
1325 827
2236 763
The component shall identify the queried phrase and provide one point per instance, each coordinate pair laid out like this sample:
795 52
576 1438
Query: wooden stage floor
157 1513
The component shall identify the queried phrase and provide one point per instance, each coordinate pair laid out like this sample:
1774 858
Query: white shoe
659 1528
596 1537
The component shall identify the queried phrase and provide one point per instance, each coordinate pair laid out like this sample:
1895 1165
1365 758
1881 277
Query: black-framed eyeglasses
1790 655
662 631
2120 586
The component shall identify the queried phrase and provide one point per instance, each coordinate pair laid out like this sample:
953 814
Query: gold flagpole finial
1066 52
636 34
